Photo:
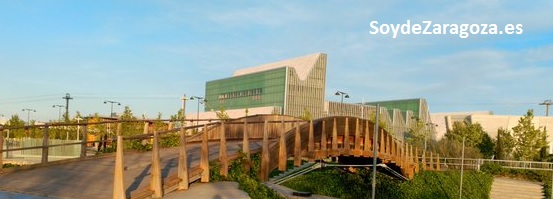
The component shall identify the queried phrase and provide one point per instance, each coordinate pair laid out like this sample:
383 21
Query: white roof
302 65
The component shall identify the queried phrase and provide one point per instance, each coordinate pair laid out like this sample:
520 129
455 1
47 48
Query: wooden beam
334 135
357 145
118 178
183 160
311 143
323 136
347 146
282 156
155 171
297 146
45 145
246 140
204 158
84 141
223 150
368 140
264 172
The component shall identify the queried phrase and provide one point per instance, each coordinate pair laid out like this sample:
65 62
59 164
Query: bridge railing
476 164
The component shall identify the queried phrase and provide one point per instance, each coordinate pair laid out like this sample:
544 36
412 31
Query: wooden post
382 144
411 161
155 171
423 162
297 146
118 179
170 125
346 136
323 136
311 143
417 160
388 144
204 158
431 161
357 144
223 151
84 142
45 145
183 160
394 149
282 156
334 135
146 131
264 172
1 148
438 162
246 140
368 140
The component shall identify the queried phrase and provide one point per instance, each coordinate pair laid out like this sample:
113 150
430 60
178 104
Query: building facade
294 87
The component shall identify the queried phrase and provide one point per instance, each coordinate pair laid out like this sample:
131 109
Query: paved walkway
93 178
215 190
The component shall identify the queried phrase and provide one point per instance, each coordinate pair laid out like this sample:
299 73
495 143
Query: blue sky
147 54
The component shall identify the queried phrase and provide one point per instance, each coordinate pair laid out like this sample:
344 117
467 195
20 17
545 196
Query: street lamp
59 110
342 96
111 114
200 100
28 114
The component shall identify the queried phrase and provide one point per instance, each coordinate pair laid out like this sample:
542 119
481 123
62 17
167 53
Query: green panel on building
403 105
262 89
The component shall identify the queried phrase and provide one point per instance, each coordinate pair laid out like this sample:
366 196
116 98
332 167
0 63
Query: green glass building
294 87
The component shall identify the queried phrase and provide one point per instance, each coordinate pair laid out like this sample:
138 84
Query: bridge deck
93 178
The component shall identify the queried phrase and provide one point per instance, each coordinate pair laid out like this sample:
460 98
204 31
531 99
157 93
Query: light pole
111 110
342 96
59 111
28 114
200 100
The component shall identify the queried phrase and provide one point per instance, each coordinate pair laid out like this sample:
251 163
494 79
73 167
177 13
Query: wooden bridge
131 174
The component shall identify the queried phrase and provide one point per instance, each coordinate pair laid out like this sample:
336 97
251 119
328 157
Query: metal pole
375 150
462 165
198 113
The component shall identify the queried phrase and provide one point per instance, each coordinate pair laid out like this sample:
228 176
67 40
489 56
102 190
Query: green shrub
340 184
246 173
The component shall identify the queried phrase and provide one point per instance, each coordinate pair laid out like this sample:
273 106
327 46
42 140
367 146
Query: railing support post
311 144
347 146
118 179
297 146
183 160
334 135
264 173
45 145
223 151
282 156
431 161
323 137
246 140
1 148
204 159
357 141
155 184
368 146
84 141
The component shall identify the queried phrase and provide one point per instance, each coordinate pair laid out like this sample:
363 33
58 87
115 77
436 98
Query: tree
529 139
417 134
504 144
473 133
486 146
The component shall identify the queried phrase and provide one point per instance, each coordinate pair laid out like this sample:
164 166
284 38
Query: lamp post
111 110
342 96
28 114
200 100
59 110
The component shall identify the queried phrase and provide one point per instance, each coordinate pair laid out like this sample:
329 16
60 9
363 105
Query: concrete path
215 190
93 178
507 188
